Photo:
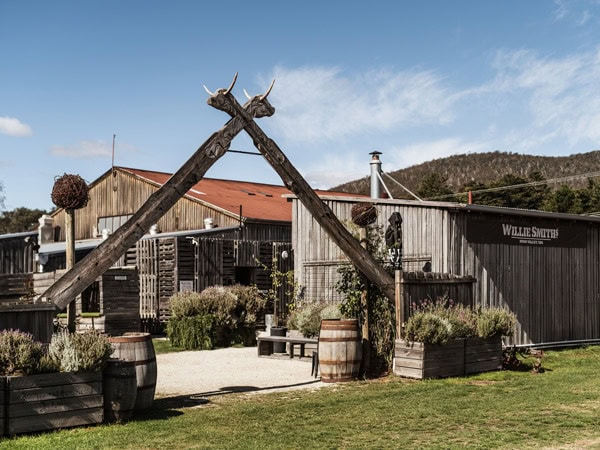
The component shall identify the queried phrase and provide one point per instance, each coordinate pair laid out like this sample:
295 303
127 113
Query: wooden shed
17 252
543 266
219 232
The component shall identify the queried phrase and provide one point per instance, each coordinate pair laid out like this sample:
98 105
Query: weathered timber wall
554 291
16 253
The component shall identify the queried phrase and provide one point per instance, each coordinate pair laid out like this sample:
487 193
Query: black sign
524 231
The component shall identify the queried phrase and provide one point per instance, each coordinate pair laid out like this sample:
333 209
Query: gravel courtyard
201 374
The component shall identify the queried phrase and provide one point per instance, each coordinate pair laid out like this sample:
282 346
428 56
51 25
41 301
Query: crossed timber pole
76 280
361 258
103 257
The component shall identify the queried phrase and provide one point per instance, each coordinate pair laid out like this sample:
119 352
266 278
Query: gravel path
216 372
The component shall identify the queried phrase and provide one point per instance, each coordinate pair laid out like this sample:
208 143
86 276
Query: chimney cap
375 153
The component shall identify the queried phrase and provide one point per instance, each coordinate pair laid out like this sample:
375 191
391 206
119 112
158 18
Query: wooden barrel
340 350
138 347
119 385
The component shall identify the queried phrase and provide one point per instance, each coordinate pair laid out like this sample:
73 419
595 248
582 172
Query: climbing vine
352 285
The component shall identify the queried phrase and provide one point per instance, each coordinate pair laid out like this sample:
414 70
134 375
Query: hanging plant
70 192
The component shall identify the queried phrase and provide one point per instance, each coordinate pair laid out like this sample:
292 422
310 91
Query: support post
364 300
70 262
399 304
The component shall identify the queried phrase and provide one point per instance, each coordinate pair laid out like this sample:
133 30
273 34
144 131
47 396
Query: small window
112 223
90 299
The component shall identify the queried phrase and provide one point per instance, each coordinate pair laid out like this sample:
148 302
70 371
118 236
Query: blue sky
413 80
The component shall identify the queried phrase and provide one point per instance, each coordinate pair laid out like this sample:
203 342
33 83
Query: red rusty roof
258 200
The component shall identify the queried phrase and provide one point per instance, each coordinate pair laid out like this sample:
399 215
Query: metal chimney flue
375 174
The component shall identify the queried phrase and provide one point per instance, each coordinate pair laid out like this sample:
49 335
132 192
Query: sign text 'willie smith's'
529 232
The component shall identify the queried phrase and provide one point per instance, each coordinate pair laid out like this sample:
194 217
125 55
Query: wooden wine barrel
340 350
138 347
119 385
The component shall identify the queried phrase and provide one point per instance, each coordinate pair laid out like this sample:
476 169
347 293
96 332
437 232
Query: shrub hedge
219 316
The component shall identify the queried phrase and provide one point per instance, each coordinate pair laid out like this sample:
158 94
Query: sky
416 81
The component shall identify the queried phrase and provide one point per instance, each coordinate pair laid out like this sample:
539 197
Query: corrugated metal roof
88 244
468 208
22 234
258 200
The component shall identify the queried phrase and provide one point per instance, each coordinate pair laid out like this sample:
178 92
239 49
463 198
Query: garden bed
51 401
455 358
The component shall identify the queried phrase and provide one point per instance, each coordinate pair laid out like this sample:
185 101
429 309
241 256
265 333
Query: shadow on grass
166 407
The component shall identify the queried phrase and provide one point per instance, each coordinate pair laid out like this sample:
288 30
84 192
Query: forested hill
483 168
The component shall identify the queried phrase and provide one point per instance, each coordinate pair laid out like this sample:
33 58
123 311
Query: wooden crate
52 401
418 360
483 355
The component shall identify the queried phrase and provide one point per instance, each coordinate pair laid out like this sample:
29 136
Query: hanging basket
364 214
70 192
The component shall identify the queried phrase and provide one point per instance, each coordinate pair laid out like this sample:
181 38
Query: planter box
456 358
52 401
418 360
483 355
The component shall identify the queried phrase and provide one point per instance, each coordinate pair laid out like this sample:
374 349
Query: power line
521 185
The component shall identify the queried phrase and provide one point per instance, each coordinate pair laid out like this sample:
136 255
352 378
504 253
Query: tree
20 219
563 200
433 185
525 197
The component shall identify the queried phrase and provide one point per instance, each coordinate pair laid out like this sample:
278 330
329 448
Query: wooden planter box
418 360
456 358
51 401
483 355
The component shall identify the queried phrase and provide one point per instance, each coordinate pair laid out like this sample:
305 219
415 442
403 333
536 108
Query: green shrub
307 317
495 322
78 352
20 354
463 321
331 312
191 333
233 311
252 301
186 304
428 328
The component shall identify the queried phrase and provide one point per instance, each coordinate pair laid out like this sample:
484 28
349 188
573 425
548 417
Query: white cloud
560 94
574 11
318 103
14 127
84 150
334 169
420 152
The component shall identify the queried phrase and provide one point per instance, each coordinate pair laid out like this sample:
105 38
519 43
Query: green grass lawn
163 345
559 408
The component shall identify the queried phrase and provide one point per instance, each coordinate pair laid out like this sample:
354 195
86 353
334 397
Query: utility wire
403 187
516 186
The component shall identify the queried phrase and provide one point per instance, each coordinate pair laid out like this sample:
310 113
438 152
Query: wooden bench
265 344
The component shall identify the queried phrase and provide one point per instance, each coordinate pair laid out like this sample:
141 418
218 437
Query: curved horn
206 89
247 95
232 83
268 90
